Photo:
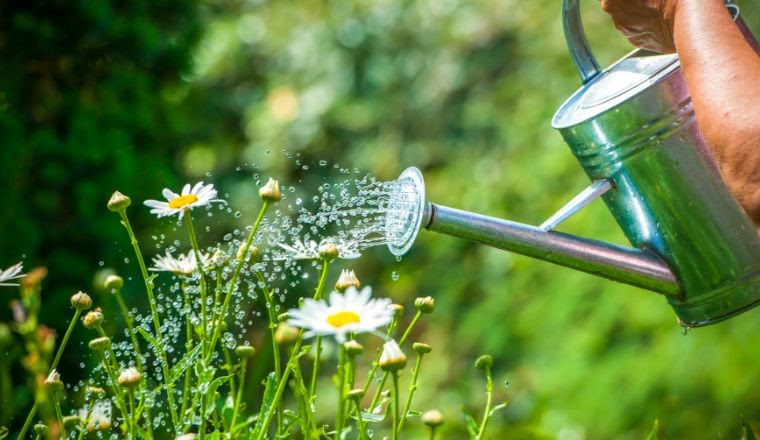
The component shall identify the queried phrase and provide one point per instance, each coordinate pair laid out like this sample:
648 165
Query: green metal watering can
632 129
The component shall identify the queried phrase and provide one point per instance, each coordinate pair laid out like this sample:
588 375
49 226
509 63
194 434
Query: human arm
722 72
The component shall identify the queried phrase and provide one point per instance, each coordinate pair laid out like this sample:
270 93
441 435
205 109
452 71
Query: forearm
722 72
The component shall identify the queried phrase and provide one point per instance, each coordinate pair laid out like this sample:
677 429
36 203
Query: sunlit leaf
653 434
270 391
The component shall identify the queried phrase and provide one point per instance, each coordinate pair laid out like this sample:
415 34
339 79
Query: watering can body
633 130
633 125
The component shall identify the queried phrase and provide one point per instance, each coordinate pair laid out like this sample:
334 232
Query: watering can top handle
579 48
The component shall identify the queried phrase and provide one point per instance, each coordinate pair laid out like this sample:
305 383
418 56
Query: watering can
632 129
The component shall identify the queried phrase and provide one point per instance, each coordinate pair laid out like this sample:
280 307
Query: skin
722 71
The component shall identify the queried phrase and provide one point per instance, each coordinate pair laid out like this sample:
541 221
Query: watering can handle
580 51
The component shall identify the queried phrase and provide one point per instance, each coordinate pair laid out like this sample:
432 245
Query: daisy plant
193 381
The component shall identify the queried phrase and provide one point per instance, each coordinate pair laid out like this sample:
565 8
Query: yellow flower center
182 201
340 319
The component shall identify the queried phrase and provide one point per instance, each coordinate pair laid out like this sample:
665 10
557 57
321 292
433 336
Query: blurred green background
136 96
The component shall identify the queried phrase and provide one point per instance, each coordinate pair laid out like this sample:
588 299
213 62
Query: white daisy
11 273
352 312
309 250
191 197
181 265
100 417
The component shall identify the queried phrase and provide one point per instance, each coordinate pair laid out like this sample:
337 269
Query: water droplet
394 276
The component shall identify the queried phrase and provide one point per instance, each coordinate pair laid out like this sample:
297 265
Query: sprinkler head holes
406 209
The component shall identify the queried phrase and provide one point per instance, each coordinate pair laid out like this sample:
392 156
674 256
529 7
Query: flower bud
71 421
129 377
484 362
6 337
328 251
353 348
118 202
285 334
100 344
421 348
397 309
42 430
53 384
425 305
270 192
245 351
93 318
355 395
113 282
81 301
283 317
33 278
95 392
188 436
392 358
253 253
347 279
432 418
217 260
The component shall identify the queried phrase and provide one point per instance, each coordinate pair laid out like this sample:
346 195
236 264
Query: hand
648 24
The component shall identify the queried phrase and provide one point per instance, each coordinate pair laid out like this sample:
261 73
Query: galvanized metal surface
631 266
668 196
633 126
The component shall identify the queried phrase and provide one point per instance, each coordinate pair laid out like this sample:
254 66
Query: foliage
464 90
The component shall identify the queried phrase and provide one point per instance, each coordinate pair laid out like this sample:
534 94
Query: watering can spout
409 213
637 267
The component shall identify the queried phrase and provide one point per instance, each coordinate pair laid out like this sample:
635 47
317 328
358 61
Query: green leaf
179 368
154 344
270 390
747 432
413 413
372 418
210 394
472 425
497 408
653 435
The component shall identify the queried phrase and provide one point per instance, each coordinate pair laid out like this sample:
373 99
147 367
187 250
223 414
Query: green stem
33 411
315 367
199 262
432 433
385 375
188 349
90 407
59 416
132 411
489 396
394 435
341 392
308 425
117 391
130 329
235 275
154 313
236 407
275 347
228 361
412 389
360 421
318 339
409 329
376 363
280 389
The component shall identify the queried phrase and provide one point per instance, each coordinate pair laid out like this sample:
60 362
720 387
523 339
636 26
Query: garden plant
179 369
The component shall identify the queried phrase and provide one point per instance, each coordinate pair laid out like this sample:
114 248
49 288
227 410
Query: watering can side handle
577 44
